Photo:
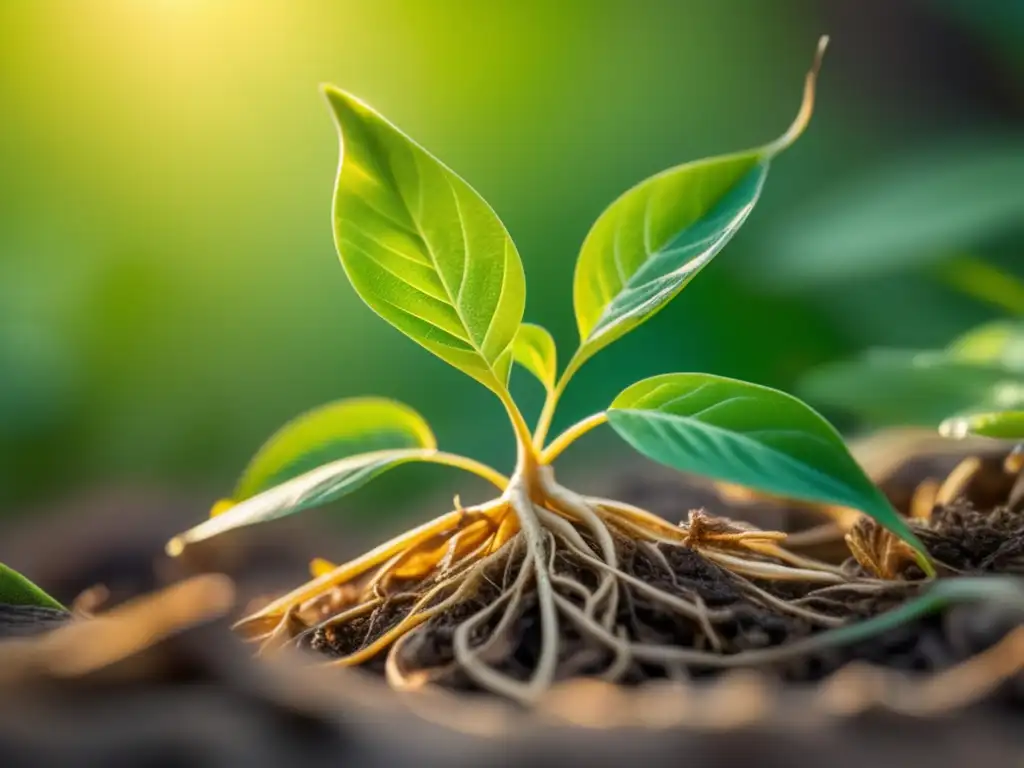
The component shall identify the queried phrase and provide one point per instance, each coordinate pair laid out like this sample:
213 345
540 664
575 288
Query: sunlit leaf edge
318 427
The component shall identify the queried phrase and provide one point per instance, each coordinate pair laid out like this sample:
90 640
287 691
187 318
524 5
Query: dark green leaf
749 435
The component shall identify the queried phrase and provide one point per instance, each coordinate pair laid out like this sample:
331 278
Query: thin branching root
543 584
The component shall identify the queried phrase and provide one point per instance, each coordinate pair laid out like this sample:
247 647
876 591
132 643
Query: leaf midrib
452 300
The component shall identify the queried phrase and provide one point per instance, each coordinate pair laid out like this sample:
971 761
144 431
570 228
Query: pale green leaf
996 343
312 489
984 281
333 431
422 248
918 207
655 238
750 435
902 388
15 589
534 349
1004 425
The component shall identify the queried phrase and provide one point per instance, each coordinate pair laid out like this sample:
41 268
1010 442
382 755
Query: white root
576 505
468 658
547 662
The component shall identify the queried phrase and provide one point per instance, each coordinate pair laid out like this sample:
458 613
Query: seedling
428 254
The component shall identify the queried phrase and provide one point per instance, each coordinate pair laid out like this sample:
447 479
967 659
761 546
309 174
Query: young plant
428 254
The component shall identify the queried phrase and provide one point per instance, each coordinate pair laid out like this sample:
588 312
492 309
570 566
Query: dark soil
200 699
963 536
973 541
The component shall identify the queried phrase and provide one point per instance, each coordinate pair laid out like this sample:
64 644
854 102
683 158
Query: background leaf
534 349
898 387
751 435
330 432
15 589
999 343
922 206
312 489
654 239
422 248
1003 425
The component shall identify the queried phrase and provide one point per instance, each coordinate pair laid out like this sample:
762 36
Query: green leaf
984 281
1004 425
655 238
921 207
996 343
422 248
15 589
312 489
749 435
330 432
534 349
903 388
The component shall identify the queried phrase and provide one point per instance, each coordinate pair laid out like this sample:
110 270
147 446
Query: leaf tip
175 547
803 116
820 53
330 90
957 428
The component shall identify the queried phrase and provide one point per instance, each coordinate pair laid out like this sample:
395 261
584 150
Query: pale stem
527 456
547 413
803 117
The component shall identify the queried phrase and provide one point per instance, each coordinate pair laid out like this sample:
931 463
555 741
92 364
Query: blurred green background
169 291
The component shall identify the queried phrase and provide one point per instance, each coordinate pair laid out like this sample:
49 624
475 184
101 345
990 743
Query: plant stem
540 434
571 435
470 465
528 457
803 117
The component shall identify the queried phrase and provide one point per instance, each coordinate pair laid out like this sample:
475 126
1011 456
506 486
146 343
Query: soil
978 532
200 699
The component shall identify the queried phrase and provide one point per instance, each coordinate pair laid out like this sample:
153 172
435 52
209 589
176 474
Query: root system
544 585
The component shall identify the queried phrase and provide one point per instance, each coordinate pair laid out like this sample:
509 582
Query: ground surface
946 690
